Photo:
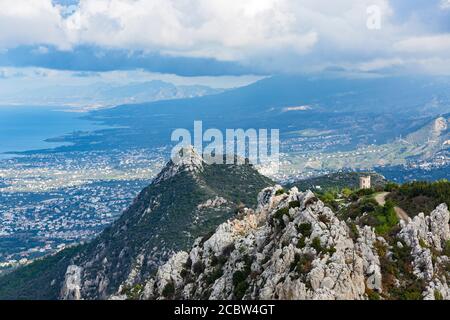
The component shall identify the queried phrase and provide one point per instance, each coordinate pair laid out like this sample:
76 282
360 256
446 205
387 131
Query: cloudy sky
226 37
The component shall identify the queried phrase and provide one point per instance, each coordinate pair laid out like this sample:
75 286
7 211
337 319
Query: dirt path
381 199
401 213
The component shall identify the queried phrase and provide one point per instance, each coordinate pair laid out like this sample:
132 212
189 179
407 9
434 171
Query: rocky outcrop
71 289
185 160
427 236
290 247
217 202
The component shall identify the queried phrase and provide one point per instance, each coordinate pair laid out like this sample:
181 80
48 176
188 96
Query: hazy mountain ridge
99 95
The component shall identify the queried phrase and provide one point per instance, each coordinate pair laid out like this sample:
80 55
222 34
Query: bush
446 250
305 229
301 243
302 264
438 295
279 192
169 290
372 295
354 233
240 289
386 219
240 283
213 276
294 204
198 267
278 216
317 245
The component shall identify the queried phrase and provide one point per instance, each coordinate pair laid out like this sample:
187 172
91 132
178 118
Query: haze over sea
24 128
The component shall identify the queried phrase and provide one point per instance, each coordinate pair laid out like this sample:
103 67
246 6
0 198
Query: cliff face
294 247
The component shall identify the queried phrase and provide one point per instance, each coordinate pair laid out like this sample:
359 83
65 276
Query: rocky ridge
294 247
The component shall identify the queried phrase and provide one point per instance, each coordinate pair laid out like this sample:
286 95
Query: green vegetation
302 264
33 282
214 275
372 295
169 290
386 219
133 293
301 243
438 295
198 267
305 229
240 279
422 196
446 251
337 181
294 204
399 268
280 192
383 219
278 217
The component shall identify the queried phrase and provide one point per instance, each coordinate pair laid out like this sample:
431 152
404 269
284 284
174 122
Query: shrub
302 264
240 289
278 216
213 276
280 192
317 245
198 267
239 276
446 251
240 283
294 204
354 233
228 250
372 295
324 219
305 229
301 243
346 192
169 290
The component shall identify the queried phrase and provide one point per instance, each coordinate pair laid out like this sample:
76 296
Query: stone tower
364 182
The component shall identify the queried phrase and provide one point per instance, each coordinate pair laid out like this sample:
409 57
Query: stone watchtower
364 182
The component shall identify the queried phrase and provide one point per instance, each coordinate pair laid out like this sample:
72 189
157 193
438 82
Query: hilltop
184 201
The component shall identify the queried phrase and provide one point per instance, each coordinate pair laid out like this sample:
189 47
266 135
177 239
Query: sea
25 128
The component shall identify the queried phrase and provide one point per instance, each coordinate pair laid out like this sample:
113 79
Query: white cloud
26 22
445 4
437 44
278 34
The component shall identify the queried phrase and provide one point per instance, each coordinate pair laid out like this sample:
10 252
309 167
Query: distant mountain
102 94
184 201
366 110
431 138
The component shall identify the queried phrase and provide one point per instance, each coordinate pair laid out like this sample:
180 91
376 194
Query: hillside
293 247
417 197
185 200
336 181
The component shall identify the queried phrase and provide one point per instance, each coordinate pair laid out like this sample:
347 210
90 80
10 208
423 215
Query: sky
198 38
